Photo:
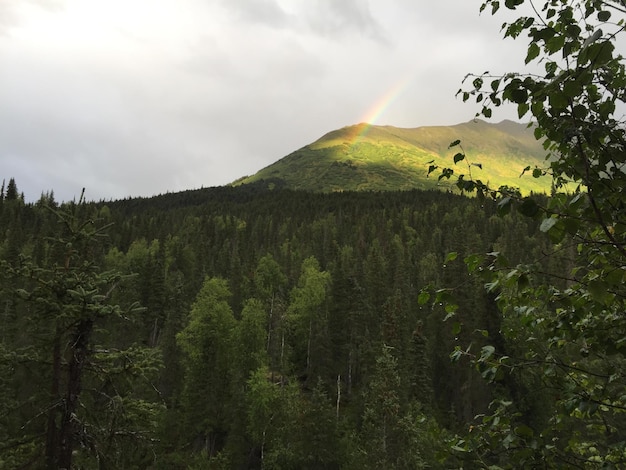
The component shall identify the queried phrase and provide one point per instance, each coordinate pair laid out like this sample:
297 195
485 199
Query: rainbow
380 106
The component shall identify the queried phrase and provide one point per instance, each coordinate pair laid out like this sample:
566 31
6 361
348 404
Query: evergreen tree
57 419
207 343
389 436
12 193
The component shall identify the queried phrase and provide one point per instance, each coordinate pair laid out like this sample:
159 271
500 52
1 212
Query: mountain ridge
381 158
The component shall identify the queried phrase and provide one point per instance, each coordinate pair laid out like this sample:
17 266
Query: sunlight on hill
387 158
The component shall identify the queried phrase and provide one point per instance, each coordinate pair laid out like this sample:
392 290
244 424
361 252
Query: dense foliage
278 330
565 333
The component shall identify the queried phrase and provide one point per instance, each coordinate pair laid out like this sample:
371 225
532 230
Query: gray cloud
263 12
344 19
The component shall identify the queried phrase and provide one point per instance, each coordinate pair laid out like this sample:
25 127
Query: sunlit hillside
365 157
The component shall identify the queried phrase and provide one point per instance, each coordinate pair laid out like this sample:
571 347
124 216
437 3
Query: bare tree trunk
338 394
308 348
270 326
154 336
282 353
349 386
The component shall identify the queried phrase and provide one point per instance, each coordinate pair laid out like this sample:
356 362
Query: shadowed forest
236 328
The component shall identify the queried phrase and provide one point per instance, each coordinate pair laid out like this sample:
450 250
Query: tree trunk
308 349
51 426
69 430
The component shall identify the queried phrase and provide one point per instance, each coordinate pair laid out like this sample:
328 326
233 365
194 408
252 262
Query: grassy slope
364 157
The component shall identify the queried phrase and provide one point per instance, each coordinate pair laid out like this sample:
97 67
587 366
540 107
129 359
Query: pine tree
207 343
12 193
65 303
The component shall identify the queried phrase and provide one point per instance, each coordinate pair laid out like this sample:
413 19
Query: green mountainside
380 158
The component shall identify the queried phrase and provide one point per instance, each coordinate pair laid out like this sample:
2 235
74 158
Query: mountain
368 157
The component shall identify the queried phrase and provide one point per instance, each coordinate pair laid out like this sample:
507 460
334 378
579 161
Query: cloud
140 97
260 12
12 12
343 19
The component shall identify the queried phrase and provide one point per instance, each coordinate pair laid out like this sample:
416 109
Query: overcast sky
142 97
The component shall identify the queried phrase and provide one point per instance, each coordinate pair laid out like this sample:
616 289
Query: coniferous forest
238 328
249 328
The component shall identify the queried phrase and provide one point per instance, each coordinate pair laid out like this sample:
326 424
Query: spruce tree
62 305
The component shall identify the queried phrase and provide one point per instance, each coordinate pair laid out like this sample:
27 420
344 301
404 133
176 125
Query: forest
254 328
238 328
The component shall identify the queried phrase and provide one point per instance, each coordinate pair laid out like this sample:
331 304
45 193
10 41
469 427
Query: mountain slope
365 157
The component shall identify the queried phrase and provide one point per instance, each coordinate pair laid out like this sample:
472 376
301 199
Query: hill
380 158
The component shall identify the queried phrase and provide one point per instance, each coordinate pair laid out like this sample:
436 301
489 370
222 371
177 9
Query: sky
133 98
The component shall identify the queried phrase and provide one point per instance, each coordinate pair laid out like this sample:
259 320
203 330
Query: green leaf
551 68
547 224
558 230
615 277
473 261
511 4
606 109
558 100
600 53
522 109
598 291
533 52
529 207
459 157
507 441
454 143
523 281
456 354
580 111
555 43
573 31
450 309
504 205
423 297
544 34
446 173
528 22
572 89
604 15
519 95
486 352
